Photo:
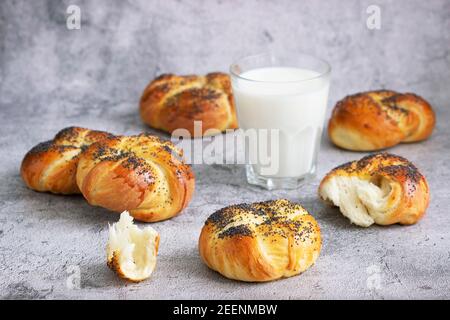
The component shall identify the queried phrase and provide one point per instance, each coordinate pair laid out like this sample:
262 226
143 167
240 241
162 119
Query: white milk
279 99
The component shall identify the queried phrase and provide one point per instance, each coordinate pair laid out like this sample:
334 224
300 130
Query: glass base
271 183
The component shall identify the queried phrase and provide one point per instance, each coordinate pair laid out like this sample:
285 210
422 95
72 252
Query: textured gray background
51 77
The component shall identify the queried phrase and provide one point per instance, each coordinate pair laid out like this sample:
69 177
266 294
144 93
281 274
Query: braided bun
51 165
380 119
141 174
260 242
171 102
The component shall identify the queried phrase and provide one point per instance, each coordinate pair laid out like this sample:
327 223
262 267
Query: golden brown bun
171 102
380 188
260 242
51 165
141 174
380 119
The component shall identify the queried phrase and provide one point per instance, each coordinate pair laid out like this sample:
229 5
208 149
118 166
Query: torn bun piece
132 251
380 188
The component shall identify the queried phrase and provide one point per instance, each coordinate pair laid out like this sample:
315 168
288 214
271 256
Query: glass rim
320 75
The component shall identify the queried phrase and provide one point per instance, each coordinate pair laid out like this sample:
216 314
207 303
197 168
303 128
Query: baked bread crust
380 119
261 241
404 193
51 166
171 102
142 174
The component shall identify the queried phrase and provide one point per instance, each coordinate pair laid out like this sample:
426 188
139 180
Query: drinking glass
281 102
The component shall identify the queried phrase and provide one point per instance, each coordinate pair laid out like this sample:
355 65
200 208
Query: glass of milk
281 103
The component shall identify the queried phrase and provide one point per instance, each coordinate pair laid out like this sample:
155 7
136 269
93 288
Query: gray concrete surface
51 77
